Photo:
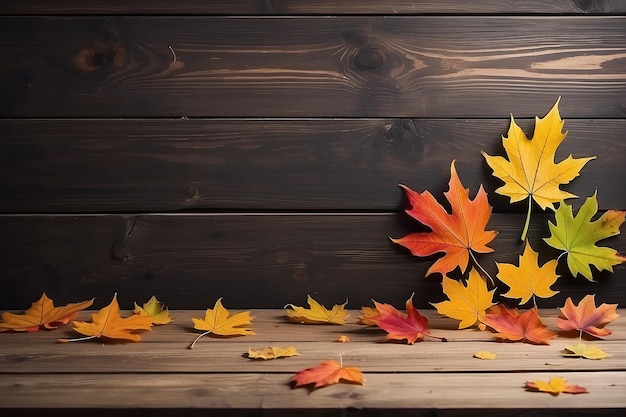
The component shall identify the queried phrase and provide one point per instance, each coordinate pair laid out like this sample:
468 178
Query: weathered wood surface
161 372
252 260
316 66
286 7
309 164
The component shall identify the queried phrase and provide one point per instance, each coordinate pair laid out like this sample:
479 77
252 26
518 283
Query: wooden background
252 149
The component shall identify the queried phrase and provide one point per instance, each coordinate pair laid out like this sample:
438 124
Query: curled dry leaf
42 315
581 350
317 313
327 373
108 324
272 352
154 309
343 339
512 326
586 317
555 386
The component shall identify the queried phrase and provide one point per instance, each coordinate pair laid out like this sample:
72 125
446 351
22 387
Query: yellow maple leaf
530 171
108 323
581 350
467 303
555 386
529 279
218 321
317 313
272 352
154 309
42 315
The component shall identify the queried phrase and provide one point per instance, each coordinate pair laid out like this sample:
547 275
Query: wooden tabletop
161 373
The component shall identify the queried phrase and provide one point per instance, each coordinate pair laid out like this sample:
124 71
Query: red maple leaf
456 234
586 317
411 326
326 373
514 326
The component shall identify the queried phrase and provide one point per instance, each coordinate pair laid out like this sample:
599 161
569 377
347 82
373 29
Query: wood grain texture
371 66
254 261
287 7
311 164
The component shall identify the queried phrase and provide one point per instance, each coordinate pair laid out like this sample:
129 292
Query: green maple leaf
577 237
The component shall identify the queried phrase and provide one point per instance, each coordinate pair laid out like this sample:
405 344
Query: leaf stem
78 339
481 268
196 339
530 209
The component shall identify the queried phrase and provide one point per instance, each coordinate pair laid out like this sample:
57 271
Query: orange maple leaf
514 326
555 386
411 326
109 324
42 315
456 234
586 317
327 373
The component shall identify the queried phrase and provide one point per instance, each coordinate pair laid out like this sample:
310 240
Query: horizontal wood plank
253 261
251 164
371 66
287 7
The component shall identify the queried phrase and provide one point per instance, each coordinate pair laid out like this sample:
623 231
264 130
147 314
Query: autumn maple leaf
154 309
467 303
456 234
42 315
529 279
327 373
272 352
586 317
109 324
530 171
512 326
555 386
218 321
411 326
317 313
577 237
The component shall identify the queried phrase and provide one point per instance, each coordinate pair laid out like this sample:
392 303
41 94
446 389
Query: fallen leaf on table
155 309
367 313
317 313
343 339
456 234
218 322
42 315
467 303
555 386
512 326
586 317
327 373
273 352
528 279
411 326
108 323
530 172
577 237
484 355
581 350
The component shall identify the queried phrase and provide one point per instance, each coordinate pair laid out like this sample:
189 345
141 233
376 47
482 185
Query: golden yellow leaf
317 313
530 171
272 352
529 279
42 315
108 323
218 321
555 386
484 355
466 303
154 309
581 350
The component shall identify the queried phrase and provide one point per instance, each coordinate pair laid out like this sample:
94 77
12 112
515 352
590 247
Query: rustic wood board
275 164
314 66
252 260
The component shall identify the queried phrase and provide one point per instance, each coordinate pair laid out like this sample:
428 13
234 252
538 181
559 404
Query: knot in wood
370 59
101 54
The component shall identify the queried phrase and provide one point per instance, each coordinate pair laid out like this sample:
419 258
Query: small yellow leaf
317 313
484 355
155 309
581 350
219 322
343 339
272 352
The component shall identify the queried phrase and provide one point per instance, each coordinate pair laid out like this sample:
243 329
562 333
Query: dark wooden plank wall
252 149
